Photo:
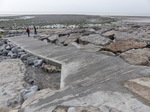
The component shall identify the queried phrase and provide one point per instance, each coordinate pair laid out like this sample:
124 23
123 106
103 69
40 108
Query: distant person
35 31
28 32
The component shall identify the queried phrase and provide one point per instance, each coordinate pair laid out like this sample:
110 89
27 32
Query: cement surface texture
87 79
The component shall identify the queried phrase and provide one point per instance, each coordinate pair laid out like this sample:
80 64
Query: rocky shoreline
22 75
128 41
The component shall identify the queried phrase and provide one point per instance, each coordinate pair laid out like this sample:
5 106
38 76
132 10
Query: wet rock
137 56
14 50
11 81
124 45
96 39
38 63
140 86
24 56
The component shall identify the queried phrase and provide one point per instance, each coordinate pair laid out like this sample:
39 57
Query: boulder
30 60
53 38
72 38
3 47
11 82
137 56
8 47
14 55
62 39
5 52
24 56
140 87
20 53
14 50
38 63
96 39
124 45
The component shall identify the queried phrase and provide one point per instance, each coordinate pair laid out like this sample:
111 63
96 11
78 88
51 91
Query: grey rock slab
96 39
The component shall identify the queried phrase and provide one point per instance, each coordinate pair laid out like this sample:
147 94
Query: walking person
35 31
28 32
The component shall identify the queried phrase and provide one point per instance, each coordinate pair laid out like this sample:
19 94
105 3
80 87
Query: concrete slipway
87 79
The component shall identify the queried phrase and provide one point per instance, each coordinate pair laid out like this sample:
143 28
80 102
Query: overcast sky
101 7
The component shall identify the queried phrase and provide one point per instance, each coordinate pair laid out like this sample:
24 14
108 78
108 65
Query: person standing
35 32
28 32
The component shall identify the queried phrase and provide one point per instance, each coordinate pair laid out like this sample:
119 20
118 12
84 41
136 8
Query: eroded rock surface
11 75
137 56
96 39
140 86
124 45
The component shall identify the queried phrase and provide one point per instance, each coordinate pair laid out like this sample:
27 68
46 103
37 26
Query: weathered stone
72 38
20 50
14 55
107 53
36 96
62 39
3 47
124 45
83 109
61 109
140 86
38 63
5 52
24 56
50 68
11 81
91 48
8 47
14 50
53 38
96 39
137 56
1 43
64 33
30 60
20 53
26 93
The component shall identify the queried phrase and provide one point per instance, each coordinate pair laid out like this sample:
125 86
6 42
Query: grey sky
112 7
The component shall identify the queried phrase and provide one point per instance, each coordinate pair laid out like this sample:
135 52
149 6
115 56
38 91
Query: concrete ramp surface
87 79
